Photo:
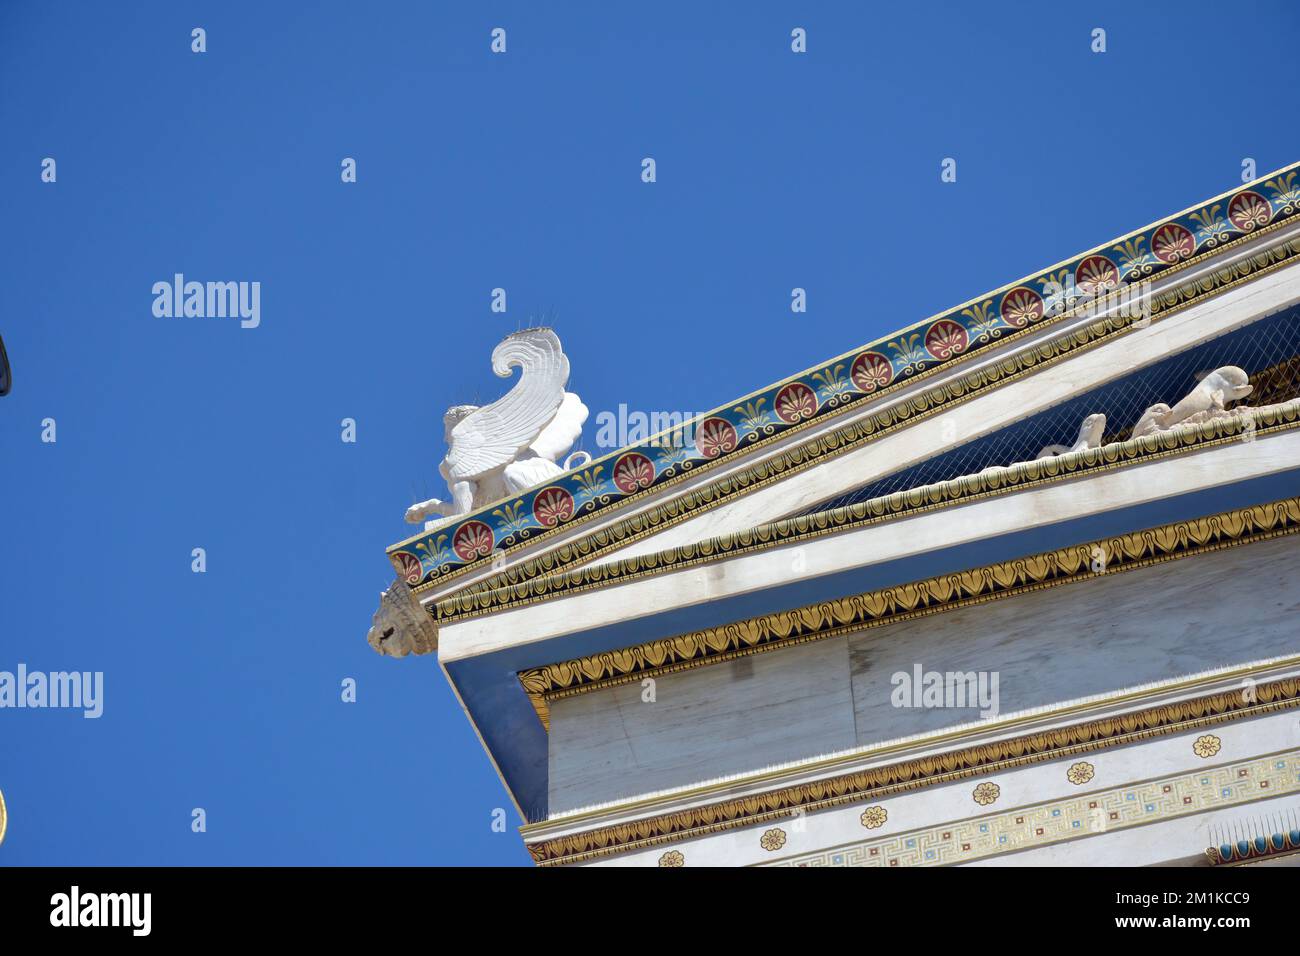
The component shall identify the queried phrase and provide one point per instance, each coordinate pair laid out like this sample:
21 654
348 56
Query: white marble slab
1188 616
768 708
1090 637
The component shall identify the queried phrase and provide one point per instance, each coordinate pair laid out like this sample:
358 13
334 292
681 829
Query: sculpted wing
492 436
558 437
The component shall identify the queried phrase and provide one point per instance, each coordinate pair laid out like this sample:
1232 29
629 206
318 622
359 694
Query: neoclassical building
1017 584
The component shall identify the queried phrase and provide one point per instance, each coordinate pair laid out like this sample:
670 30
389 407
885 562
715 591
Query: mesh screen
1268 350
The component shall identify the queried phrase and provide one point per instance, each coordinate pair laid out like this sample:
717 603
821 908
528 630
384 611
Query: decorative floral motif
669 455
552 506
589 484
1249 210
1080 773
986 793
1211 227
874 817
831 382
715 436
945 338
1021 306
1206 746
1285 193
911 353
795 402
752 416
672 858
436 552
1096 274
408 567
472 540
1172 243
1134 261
632 472
773 839
871 371
982 322
511 517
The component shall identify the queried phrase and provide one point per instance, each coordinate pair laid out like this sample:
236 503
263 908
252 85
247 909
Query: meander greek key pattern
1086 815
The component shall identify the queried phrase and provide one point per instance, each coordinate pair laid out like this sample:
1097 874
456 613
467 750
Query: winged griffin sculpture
515 443
494 451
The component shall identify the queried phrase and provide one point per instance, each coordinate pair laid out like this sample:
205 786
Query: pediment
908 477
987 383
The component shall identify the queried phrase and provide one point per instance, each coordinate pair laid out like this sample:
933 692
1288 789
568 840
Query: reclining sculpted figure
1204 403
1090 433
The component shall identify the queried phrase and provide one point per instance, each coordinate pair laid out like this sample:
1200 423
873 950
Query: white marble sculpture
401 626
513 444
1204 403
1090 433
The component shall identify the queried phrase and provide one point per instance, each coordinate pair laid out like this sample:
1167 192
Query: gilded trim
919 773
1281 843
1192 684
1059 821
908 601
853 435
961 490
816 394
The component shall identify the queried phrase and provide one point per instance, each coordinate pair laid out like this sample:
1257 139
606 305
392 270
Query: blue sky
475 171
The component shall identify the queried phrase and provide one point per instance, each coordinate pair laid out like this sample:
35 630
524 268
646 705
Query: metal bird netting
1267 350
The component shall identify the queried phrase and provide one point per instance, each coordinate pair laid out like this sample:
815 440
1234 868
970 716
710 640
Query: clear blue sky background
475 171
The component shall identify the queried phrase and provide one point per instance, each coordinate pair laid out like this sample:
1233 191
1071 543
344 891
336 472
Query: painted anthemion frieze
1014 585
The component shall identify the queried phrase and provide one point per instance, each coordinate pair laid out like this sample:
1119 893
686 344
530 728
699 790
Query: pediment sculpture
1206 402
1090 432
515 443
493 451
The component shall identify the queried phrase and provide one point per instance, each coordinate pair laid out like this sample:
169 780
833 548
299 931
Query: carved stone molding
877 608
909 775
